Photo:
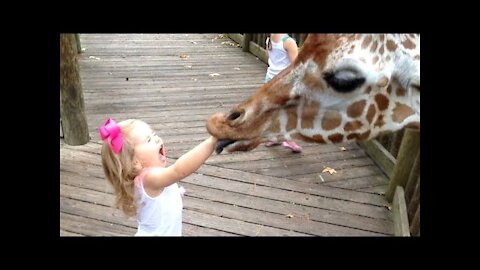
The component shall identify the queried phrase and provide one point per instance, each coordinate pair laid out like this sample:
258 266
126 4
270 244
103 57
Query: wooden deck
175 81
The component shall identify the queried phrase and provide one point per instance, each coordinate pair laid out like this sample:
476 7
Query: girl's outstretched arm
158 178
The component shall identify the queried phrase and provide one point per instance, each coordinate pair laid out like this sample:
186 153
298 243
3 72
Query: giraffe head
341 88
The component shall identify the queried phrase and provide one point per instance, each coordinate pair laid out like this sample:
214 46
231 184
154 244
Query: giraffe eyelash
344 81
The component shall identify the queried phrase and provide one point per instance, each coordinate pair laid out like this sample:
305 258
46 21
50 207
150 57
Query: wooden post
399 210
396 141
414 201
405 160
413 178
79 46
246 42
72 112
415 224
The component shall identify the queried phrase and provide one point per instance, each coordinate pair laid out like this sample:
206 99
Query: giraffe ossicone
341 88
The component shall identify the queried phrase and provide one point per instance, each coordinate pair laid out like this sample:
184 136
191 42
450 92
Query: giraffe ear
415 83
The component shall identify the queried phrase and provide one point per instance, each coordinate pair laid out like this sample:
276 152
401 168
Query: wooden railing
401 163
255 43
397 154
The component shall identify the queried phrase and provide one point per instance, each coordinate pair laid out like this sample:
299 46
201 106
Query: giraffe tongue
221 144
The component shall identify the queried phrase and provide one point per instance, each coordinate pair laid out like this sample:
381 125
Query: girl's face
149 148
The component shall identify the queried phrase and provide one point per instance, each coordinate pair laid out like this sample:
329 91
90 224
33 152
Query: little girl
134 161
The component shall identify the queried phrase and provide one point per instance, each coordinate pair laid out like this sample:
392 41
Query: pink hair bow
111 131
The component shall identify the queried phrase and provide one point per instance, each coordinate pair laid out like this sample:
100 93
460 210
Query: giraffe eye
344 81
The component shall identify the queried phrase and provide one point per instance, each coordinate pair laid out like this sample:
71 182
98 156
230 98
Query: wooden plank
415 225
233 225
67 233
259 52
236 37
284 209
360 182
380 155
341 175
271 224
399 210
92 227
413 179
251 202
318 196
405 161
380 190
247 37
414 201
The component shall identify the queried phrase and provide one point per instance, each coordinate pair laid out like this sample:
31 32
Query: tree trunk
72 112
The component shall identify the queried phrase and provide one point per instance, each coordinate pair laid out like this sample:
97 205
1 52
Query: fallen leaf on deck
183 56
330 170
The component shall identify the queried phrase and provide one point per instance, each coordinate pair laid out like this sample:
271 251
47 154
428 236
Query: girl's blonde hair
120 171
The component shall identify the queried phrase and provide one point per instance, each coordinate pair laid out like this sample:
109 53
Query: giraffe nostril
233 116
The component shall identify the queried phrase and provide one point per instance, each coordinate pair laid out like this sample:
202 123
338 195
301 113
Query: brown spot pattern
308 114
401 91
356 109
379 122
292 118
312 82
275 126
370 113
366 41
400 112
413 125
336 138
374 47
352 125
408 44
315 139
391 46
331 120
382 102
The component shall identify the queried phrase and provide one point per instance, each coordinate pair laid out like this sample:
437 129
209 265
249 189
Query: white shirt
160 215
277 58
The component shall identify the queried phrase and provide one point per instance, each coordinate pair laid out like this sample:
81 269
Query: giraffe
341 88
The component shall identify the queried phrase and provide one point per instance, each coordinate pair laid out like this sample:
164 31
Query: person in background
282 51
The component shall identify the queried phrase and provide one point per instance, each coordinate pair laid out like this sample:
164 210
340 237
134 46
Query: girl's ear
137 164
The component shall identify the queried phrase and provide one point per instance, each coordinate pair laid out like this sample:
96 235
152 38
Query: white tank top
160 215
277 57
